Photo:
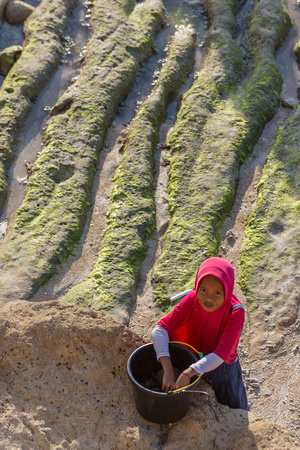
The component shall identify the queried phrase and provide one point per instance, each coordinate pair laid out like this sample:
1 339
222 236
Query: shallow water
10 35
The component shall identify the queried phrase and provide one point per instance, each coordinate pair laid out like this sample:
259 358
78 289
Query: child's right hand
169 378
169 381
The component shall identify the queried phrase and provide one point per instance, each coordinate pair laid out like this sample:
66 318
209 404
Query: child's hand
184 378
169 378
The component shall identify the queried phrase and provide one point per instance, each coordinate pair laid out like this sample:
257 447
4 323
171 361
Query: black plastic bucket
159 407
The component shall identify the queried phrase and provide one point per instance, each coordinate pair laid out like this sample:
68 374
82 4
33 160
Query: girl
210 319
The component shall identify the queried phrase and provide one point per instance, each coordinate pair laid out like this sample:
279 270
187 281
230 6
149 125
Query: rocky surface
131 216
297 51
8 57
64 386
3 4
85 186
49 222
17 12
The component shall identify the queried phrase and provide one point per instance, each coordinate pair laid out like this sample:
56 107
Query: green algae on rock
297 51
40 56
271 250
49 222
8 57
112 283
220 120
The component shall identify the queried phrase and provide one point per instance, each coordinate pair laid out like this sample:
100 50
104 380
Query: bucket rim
184 390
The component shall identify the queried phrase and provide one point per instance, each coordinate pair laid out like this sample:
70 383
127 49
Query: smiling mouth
208 305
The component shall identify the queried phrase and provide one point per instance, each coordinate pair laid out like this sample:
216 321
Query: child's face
210 294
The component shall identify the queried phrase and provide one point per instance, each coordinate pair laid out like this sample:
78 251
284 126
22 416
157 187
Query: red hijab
190 323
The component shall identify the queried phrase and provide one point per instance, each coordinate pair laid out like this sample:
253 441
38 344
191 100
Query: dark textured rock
17 12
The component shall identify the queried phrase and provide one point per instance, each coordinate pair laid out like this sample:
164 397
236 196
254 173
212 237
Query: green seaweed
41 55
220 120
271 247
112 283
47 226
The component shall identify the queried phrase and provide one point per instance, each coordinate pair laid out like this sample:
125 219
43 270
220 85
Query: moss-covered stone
41 55
8 57
111 285
48 224
220 120
297 50
271 250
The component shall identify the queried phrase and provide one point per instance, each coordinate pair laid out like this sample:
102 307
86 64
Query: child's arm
160 340
169 378
207 363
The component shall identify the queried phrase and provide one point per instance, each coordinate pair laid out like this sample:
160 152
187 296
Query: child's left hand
184 378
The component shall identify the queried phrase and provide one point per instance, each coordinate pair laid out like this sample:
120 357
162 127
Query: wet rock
253 382
122 144
230 236
246 372
288 103
64 102
194 2
28 166
22 180
16 11
8 57
3 4
297 51
3 228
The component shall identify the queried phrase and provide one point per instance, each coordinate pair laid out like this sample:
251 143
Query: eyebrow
222 289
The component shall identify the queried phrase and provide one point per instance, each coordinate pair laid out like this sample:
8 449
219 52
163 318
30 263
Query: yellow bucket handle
200 354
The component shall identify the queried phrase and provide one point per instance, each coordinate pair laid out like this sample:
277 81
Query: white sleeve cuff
207 363
160 340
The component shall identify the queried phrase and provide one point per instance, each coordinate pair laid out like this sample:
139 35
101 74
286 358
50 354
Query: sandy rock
63 384
17 11
8 57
